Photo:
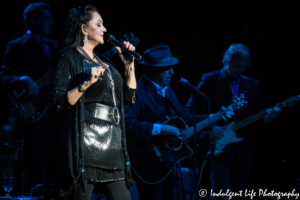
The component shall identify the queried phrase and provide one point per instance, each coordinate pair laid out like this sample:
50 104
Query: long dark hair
71 35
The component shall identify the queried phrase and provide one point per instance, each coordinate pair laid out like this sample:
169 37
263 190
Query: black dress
88 149
102 139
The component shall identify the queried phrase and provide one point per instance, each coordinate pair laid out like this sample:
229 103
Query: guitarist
155 103
232 166
26 60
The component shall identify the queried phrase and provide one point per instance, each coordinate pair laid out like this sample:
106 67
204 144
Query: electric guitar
153 160
32 109
230 137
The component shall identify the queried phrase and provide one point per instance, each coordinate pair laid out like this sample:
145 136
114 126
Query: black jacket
215 85
23 57
68 122
149 109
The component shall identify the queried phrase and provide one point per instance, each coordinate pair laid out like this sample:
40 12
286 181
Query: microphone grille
108 37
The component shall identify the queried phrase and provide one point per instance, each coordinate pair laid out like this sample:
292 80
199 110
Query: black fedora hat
158 56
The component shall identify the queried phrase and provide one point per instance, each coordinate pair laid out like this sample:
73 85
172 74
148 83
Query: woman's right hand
96 72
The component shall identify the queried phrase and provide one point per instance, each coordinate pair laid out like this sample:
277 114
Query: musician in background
155 103
27 59
232 166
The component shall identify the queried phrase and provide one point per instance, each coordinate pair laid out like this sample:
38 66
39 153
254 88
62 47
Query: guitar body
32 109
152 161
229 137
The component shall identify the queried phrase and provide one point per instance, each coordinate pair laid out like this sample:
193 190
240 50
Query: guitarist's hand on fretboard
226 113
272 113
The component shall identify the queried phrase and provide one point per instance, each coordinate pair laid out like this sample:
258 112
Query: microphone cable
212 179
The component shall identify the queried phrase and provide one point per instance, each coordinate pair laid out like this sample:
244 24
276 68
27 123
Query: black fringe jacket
68 122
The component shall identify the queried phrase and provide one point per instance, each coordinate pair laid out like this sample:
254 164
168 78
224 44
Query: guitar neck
248 121
201 125
252 119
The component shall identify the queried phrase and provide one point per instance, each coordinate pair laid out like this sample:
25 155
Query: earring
85 40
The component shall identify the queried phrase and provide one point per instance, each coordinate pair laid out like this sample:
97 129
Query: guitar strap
243 111
244 86
243 91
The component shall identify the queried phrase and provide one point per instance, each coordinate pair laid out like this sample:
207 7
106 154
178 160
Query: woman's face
95 29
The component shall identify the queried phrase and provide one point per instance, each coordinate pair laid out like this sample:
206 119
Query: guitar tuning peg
131 34
234 99
125 37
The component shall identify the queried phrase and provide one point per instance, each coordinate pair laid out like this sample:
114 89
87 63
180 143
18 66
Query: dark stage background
198 35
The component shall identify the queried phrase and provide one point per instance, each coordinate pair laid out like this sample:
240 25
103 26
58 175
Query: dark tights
114 190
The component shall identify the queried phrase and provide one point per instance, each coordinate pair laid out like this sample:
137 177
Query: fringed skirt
103 155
